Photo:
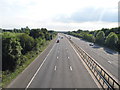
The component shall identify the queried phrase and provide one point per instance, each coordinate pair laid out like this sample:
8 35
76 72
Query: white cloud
83 26
41 13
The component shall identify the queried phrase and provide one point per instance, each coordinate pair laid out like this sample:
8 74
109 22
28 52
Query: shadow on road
96 46
107 50
110 51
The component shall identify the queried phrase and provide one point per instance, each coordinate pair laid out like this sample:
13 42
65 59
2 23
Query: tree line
19 45
105 37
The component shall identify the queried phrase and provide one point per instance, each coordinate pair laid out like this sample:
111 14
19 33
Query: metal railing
105 80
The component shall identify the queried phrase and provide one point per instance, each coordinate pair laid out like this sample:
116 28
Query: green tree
46 33
11 51
91 38
95 33
79 31
27 30
100 37
52 34
118 44
111 40
36 33
26 42
38 43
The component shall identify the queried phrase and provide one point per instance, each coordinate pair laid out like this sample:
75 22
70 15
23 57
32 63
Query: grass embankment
7 78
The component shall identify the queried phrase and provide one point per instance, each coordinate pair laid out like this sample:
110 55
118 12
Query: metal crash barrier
105 80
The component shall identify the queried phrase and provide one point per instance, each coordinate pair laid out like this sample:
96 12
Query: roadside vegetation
105 37
20 47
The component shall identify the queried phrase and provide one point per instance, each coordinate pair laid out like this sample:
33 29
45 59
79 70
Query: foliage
19 42
26 42
47 35
105 36
36 33
11 51
118 44
20 47
111 40
89 37
26 30
100 37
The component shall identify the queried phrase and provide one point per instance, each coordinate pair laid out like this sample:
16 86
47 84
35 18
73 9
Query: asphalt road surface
104 56
61 68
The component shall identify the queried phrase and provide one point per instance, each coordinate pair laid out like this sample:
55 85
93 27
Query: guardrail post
113 84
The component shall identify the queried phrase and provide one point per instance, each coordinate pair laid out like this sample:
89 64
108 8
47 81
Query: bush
26 42
11 51
21 60
36 33
100 37
111 40
89 37
118 44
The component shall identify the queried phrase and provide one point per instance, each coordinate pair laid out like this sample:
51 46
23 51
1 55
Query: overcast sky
62 15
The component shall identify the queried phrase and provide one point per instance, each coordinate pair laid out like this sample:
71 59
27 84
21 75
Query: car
91 44
57 41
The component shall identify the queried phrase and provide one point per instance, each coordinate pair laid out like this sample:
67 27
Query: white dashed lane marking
109 62
68 57
55 68
71 68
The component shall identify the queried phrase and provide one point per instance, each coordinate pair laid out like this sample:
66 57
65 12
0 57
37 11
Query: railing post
113 84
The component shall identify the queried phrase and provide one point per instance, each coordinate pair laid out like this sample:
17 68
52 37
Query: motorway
104 56
61 68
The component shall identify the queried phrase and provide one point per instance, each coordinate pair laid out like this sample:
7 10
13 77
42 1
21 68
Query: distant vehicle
91 44
57 41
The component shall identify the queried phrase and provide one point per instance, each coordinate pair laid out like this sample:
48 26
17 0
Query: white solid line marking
55 68
68 57
109 62
71 68
57 57
39 68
